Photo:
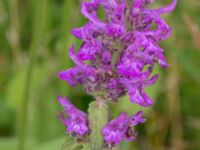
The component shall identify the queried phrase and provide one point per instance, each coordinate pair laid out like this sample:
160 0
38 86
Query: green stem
24 110
38 29
98 116
174 107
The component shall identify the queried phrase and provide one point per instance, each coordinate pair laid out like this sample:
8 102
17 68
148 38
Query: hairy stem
98 117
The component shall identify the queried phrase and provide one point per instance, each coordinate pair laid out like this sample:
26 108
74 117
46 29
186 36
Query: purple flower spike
75 121
117 57
116 51
122 128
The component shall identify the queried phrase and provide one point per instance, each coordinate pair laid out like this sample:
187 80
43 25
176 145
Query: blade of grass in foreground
38 29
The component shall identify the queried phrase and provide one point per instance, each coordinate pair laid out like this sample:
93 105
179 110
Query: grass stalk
173 99
38 30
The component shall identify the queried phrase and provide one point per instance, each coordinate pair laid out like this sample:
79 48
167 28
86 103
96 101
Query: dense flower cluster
76 121
118 54
122 128
116 57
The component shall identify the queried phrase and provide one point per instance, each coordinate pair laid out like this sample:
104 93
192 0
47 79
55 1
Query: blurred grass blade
194 30
14 32
38 30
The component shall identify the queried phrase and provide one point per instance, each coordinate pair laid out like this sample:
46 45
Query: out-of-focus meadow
34 41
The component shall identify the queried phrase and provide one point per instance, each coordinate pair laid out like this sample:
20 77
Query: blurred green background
34 40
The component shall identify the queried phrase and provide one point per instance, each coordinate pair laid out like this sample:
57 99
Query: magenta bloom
117 57
122 128
75 121
118 49
115 131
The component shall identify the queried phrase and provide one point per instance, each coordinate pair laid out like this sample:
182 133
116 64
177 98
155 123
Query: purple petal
77 32
75 121
91 32
162 31
64 102
167 9
115 131
89 10
114 30
139 97
72 76
137 118
76 59
88 51
150 81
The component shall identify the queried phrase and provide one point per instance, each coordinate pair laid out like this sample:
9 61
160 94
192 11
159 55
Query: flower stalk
98 117
117 57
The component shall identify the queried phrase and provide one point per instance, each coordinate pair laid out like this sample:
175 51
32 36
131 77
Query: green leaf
98 117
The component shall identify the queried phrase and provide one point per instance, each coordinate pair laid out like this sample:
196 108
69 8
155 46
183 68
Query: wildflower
119 49
117 56
115 131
